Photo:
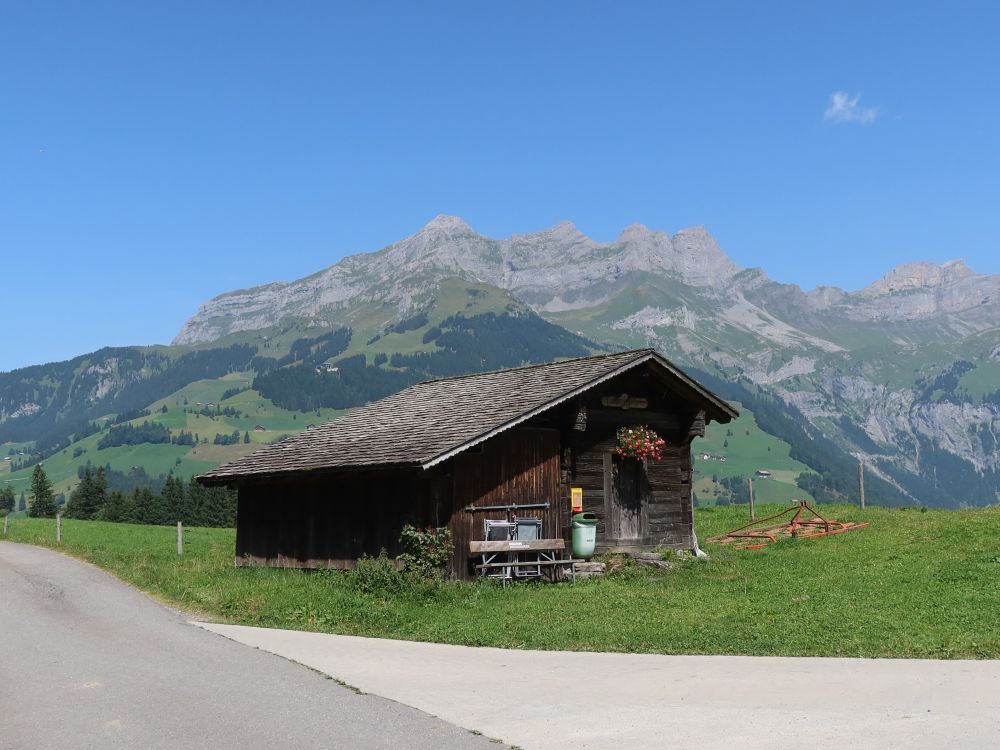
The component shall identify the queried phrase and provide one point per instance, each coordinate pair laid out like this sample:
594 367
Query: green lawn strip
913 584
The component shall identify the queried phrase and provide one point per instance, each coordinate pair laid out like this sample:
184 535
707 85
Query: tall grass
913 584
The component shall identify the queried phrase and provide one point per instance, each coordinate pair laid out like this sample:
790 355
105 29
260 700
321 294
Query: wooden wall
665 507
328 521
519 467
331 520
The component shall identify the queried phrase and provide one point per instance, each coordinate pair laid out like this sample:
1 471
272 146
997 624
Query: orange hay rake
799 527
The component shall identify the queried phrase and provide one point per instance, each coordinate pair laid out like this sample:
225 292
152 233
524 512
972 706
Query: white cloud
845 108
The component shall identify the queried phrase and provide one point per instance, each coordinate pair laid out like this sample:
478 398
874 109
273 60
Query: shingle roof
431 421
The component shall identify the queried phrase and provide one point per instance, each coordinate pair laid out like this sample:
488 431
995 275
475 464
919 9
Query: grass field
747 448
913 584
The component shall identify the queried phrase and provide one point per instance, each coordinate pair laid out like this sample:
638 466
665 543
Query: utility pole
753 513
861 482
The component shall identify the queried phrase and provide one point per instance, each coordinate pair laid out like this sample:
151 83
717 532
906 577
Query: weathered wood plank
514 545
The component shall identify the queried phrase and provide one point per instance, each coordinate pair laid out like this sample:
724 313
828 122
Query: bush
426 552
377 575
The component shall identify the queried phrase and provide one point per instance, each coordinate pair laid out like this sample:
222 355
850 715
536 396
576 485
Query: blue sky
153 155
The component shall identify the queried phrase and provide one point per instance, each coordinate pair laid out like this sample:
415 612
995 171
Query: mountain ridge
562 257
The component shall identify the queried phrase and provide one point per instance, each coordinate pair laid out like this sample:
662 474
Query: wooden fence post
753 512
58 528
6 518
861 482
180 538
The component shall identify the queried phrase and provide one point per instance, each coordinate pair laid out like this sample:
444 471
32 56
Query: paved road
543 699
87 662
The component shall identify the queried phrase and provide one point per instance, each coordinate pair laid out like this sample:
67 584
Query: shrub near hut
426 552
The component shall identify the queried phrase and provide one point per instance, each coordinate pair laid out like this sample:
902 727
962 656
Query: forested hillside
48 404
455 346
135 414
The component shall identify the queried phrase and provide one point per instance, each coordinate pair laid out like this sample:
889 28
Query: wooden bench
546 549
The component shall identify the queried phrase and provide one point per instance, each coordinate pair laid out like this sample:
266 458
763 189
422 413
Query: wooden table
551 555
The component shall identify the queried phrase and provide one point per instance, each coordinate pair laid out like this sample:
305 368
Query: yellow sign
576 499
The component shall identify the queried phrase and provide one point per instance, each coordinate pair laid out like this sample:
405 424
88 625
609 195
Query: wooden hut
457 451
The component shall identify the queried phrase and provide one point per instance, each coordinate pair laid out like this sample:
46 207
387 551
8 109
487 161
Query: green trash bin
584 535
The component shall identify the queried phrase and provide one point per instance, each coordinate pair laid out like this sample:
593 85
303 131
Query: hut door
626 485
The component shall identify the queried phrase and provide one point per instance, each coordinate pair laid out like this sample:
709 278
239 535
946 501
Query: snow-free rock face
920 275
918 290
542 268
561 269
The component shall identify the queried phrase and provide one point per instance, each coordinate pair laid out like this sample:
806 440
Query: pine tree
172 496
216 506
21 503
246 437
114 509
86 500
7 499
159 511
43 502
100 491
145 506
80 499
130 508
187 514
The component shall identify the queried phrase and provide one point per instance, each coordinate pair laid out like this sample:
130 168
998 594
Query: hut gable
429 422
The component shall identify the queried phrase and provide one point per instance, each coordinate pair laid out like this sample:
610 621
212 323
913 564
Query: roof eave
217 480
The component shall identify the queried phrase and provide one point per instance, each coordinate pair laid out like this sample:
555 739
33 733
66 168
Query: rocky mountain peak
563 233
445 224
919 275
636 233
566 228
823 297
958 266
918 290
699 258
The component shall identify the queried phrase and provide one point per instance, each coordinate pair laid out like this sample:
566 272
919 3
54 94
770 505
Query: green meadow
181 414
913 584
746 449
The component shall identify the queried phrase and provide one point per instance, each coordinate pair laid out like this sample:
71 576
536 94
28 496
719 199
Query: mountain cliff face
561 269
904 372
553 270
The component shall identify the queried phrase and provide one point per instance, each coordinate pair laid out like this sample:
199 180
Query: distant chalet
457 451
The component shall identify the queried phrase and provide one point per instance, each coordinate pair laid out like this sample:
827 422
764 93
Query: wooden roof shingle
428 422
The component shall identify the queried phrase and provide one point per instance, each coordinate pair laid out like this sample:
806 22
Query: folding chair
527 529
497 531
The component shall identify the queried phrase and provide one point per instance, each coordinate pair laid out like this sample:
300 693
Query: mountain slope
856 366
62 413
